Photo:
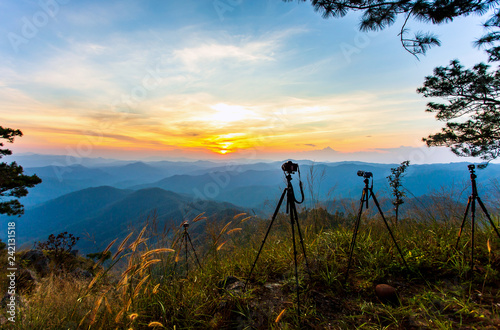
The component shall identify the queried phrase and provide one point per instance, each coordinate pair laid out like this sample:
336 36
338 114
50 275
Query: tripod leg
186 248
364 198
292 222
473 218
267 233
463 221
194 251
389 229
294 209
487 215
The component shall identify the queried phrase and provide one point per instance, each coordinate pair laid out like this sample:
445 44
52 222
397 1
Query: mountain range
104 213
104 199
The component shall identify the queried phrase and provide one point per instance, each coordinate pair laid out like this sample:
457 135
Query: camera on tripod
185 224
290 167
365 175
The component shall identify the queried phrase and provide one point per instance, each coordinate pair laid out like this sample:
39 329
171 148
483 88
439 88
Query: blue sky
223 78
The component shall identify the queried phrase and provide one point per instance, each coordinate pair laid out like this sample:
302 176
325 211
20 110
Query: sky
217 79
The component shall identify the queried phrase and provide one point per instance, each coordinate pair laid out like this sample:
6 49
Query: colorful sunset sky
219 79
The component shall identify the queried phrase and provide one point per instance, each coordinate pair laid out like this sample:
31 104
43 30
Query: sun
224 147
226 143
230 113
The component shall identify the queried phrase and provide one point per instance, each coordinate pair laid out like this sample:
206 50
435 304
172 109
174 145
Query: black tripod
471 204
288 168
184 241
367 193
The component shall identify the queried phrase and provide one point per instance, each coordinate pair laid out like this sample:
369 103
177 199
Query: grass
143 288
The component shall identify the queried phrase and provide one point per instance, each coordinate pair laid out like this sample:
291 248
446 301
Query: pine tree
13 183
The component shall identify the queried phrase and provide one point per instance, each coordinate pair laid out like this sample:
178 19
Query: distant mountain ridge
104 213
105 198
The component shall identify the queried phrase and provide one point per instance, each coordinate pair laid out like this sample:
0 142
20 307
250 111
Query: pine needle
238 215
83 319
109 246
147 264
225 227
220 246
139 285
119 316
155 289
147 254
122 245
108 307
96 309
155 324
280 316
199 217
234 230
97 277
245 219
138 240
104 253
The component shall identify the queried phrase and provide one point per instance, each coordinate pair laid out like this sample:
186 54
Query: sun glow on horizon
226 113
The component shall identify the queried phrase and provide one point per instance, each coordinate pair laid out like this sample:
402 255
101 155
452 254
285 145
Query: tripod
290 209
471 204
184 241
365 196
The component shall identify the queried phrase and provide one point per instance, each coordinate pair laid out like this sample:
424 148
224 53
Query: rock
230 283
38 261
386 293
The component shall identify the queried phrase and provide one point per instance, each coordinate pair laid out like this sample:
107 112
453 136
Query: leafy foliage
395 181
61 243
13 183
470 93
379 14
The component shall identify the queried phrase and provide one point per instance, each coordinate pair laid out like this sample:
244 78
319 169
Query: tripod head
471 168
185 224
289 168
367 176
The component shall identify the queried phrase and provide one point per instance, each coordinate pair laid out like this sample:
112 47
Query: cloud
198 57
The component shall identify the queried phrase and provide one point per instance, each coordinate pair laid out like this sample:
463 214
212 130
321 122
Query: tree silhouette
470 93
13 183
396 183
379 14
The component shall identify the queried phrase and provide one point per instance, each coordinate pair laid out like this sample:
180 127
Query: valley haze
101 199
